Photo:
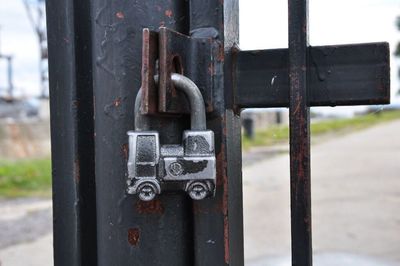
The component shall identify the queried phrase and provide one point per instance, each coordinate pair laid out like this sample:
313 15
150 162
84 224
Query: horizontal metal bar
357 74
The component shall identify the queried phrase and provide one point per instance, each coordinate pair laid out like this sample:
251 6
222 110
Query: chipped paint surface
168 13
150 207
133 236
120 15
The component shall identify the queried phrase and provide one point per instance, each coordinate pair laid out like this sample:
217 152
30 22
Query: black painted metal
95 60
299 115
218 222
102 41
72 135
338 75
130 232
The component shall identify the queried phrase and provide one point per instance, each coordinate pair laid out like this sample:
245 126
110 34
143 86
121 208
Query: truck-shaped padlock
190 167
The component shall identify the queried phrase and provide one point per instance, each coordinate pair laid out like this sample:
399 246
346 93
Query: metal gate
99 57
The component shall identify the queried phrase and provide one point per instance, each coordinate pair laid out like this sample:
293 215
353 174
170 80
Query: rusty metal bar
218 222
300 173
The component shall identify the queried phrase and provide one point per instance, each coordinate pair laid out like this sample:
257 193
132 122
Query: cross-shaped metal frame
304 76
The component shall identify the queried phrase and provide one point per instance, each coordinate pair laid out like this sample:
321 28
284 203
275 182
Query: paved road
356 207
25 232
355 202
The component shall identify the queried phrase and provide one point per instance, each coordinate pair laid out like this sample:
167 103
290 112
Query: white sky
263 24
18 39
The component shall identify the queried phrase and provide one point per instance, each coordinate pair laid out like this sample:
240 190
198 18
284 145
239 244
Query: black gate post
95 53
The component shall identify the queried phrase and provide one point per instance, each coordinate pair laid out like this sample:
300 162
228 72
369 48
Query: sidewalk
355 202
37 253
26 232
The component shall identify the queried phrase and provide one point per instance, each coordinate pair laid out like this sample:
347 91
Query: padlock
190 167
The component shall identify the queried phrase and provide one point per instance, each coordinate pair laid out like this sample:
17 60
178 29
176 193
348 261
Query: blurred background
355 150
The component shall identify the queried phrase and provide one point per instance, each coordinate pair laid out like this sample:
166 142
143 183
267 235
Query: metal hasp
165 52
189 167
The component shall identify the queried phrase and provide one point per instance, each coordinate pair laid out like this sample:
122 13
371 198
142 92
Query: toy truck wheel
147 191
198 190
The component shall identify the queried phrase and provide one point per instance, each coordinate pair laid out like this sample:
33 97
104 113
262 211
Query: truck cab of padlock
190 166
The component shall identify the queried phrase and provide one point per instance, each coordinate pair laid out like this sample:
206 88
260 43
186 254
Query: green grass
23 178
280 134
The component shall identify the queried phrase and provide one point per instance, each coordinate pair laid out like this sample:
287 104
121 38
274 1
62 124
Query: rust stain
305 29
133 236
150 207
221 54
222 180
168 13
225 201
211 69
220 166
226 239
117 102
221 159
201 209
120 15
297 108
77 171
125 150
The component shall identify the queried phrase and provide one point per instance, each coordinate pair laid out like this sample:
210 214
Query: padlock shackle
142 122
197 106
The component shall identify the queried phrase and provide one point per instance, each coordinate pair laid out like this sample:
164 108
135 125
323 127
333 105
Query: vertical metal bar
218 222
299 135
72 136
63 135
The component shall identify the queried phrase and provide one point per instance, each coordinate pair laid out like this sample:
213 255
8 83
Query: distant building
19 109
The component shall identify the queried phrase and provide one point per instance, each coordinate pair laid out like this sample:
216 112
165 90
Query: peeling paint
168 13
120 15
150 207
133 236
